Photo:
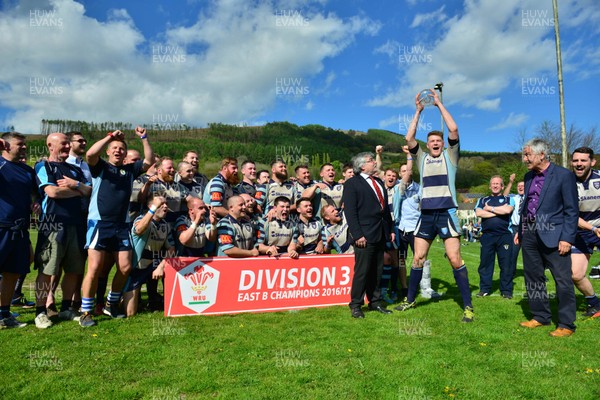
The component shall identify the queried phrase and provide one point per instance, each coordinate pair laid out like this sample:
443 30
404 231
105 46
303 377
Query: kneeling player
279 235
152 243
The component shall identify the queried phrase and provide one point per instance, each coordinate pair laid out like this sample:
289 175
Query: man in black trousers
369 226
547 230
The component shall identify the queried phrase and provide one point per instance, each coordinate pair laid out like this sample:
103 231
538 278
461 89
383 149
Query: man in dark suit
547 230
369 226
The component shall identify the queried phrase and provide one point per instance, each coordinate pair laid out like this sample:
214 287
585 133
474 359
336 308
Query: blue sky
346 64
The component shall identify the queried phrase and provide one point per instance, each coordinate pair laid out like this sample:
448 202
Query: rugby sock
65 305
385 277
87 304
101 290
592 300
394 278
153 297
19 286
426 280
413 283
114 297
461 277
5 311
40 310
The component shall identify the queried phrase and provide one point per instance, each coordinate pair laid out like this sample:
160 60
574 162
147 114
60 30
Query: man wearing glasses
78 149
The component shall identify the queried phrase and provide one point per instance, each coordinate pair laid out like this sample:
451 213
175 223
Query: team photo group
108 216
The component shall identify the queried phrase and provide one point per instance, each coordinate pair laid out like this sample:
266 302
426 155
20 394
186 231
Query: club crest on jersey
123 172
596 184
501 201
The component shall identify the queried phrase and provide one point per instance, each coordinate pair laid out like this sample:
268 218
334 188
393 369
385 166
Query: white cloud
393 120
434 17
390 48
309 105
478 55
511 121
108 71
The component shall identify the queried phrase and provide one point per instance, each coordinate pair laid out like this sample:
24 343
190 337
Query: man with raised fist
108 218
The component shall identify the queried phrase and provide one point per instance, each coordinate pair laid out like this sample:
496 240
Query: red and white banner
223 285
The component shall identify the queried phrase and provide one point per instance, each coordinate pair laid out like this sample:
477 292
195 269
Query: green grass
425 353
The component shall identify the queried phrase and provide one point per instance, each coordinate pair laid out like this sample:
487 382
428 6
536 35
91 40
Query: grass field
424 353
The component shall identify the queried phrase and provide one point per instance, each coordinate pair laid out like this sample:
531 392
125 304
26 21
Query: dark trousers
536 256
514 256
492 244
368 268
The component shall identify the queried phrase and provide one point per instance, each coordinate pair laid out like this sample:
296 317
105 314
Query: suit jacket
558 208
363 212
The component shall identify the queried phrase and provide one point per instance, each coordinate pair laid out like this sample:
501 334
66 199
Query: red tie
378 191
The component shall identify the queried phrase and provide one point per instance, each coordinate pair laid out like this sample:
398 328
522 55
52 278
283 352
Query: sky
344 64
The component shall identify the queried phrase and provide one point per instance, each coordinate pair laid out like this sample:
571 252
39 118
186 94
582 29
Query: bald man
196 233
62 227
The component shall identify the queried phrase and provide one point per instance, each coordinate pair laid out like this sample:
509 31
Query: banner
223 285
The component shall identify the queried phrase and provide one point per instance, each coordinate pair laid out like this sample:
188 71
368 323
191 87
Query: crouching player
152 243
280 235
237 234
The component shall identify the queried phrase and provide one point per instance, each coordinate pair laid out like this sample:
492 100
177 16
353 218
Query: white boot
426 290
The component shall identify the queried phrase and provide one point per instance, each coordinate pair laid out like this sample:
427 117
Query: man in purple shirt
546 232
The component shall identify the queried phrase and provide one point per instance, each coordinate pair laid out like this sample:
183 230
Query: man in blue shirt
15 209
495 212
108 218
61 231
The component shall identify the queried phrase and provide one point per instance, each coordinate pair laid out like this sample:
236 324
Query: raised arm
450 124
379 160
148 153
93 154
511 180
411 140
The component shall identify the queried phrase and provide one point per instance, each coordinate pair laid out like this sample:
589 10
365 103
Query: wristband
151 211
408 159
144 136
193 225
109 134
493 210
153 208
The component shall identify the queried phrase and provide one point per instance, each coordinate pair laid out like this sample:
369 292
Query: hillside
309 144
